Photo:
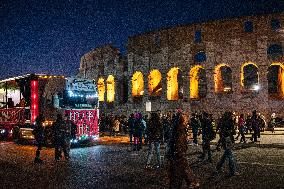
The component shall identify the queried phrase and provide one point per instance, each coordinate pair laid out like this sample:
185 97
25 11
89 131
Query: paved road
114 166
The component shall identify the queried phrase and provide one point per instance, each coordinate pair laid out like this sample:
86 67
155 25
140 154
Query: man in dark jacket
207 133
154 134
227 144
38 132
255 125
62 134
195 125
130 123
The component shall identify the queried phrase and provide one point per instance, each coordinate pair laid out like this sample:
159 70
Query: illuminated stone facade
213 66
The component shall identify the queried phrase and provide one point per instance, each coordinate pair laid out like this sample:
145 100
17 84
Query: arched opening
198 82
275 77
223 78
200 56
154 83
137 84
101 88
124 89
110 88
250 77
174 84
274 51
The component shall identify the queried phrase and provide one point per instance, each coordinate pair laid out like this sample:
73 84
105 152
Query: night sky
50 36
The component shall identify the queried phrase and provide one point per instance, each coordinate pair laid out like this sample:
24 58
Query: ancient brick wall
223 42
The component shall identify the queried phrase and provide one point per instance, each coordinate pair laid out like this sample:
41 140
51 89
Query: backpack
211 133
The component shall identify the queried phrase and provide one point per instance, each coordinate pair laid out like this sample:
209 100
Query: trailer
23 98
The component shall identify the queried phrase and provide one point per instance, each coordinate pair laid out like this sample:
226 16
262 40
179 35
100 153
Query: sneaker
234 174
148 167
194 184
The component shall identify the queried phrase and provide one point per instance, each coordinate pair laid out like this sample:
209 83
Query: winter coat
195 124
154 130
38 132
178 141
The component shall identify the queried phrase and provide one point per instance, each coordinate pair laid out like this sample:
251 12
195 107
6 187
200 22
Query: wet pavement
112 165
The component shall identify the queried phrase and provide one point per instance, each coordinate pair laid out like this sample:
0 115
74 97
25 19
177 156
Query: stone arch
249 76
223 78
198 82
155 83
110 88
101 89
174 84
137 84
275 78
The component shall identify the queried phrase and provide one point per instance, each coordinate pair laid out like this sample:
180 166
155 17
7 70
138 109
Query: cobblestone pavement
260 165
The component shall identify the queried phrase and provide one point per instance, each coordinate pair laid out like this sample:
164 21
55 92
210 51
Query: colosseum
230 64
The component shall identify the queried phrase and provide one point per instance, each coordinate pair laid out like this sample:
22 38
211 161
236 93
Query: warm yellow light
101 88
280 78
172 84
137 84
154 83
110 88
219 85
194 80
242 72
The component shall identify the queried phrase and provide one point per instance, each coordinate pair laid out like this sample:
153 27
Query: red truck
23 98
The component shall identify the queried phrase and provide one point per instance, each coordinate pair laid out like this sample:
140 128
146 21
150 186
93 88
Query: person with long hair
179 169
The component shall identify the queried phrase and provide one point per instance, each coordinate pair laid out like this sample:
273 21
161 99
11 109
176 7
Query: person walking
207 136
255 125
227 144
38 132
154 134
62 133
130 123
167 127
242 129
195 125
179 168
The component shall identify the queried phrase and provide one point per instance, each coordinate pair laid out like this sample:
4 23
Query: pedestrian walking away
155 134
62 135
38 132
227 145
179 168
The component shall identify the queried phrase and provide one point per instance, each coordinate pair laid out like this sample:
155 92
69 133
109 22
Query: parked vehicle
23 98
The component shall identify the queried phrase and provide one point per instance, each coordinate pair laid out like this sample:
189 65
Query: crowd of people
172 130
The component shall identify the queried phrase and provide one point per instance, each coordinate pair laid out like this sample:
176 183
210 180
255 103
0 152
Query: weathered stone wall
223 41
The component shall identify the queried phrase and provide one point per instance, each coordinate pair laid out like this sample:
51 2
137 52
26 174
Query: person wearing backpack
227 144
207 136
195 125
38 132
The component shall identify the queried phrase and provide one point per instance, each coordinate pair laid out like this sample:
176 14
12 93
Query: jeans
39 148
195 137
228 153
206 150
150 152
131 136
62 145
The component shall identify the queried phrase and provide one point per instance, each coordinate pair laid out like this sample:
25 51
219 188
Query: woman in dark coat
179 169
